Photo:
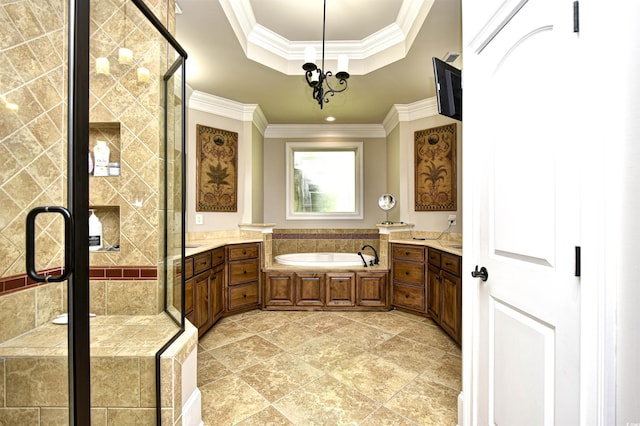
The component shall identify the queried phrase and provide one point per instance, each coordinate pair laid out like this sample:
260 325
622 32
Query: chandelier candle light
316 78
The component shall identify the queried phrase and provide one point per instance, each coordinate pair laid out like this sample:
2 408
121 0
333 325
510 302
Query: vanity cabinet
243 277
203 288
445 292
408 277
288 290
439 295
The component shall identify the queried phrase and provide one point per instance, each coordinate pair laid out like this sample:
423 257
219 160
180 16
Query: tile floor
328 368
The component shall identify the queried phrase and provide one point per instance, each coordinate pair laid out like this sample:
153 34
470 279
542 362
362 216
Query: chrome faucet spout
376 260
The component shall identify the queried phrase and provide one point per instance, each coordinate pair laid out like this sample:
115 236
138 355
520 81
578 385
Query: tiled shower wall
32 137
33 146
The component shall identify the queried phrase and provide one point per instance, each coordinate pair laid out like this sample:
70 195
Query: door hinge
576 16
577 271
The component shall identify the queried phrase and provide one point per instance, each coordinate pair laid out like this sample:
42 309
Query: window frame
357 147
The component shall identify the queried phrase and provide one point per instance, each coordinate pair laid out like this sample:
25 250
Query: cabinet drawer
217 256
451 263
243 295
408 253
240 272
243 251
412 273
201 262
188 267
408 296
435 257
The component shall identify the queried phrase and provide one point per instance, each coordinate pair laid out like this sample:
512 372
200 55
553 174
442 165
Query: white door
522 211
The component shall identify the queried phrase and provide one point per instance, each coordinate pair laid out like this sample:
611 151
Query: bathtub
322 259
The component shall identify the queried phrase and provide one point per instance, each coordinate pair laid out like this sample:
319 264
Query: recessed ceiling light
330 118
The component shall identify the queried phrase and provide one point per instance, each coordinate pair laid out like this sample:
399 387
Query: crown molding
409 112
227 108
253 113
325 131
373 52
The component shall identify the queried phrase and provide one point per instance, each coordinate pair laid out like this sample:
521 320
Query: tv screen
448 89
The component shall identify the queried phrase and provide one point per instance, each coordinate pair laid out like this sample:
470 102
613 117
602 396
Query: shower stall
92 336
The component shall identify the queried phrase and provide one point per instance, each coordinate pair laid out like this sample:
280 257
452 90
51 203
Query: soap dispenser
95 232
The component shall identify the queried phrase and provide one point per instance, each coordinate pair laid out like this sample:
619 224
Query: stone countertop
200 246
453 247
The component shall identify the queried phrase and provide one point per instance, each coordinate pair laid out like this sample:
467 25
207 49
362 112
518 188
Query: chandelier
317 79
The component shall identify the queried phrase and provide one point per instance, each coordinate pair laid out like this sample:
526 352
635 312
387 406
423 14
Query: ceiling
252 51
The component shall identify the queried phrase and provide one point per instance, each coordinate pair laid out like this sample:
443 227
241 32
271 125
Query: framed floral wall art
216 170
435 169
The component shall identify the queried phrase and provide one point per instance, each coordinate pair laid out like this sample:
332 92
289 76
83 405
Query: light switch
199 219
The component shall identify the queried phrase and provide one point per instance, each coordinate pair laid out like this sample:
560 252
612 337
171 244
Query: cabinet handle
406 253
447 263
244 295
244 271
406 272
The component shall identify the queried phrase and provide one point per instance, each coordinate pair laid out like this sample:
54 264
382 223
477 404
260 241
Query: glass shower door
39 272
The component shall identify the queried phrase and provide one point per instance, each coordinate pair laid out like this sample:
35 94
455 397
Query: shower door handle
31 245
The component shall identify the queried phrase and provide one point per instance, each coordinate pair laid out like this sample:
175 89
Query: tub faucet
376 260
362 257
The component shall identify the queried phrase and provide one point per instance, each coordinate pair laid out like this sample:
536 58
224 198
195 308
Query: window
324 180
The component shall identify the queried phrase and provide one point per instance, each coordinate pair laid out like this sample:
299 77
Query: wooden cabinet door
371 289
188 300
217 292
309 289
341 289
434 298
451 316
202 307
279 290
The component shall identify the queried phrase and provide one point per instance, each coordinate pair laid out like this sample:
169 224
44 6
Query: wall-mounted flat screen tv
448 89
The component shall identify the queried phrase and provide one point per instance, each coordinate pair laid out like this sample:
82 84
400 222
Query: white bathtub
323 259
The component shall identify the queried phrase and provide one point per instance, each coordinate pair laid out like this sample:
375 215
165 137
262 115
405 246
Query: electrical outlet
199 219
452 219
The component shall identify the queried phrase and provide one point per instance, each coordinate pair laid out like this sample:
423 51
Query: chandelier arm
341 81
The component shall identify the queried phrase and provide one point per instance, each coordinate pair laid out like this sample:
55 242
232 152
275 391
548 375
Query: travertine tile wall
322 240
33 136
33 50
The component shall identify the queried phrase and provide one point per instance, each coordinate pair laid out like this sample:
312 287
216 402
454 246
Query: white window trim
357 147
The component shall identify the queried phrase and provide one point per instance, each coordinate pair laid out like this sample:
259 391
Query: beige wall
393 171
430 221
375 184
257 175
221 221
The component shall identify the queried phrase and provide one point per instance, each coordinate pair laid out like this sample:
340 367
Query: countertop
200 246
453 247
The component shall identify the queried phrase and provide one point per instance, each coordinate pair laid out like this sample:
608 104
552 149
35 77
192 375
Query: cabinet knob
244 271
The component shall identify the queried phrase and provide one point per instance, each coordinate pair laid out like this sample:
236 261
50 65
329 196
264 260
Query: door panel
525 213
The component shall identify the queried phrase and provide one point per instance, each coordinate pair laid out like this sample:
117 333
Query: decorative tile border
328 236
23 282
